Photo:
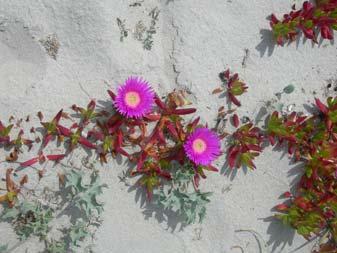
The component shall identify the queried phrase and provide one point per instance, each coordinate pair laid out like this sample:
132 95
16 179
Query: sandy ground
194 41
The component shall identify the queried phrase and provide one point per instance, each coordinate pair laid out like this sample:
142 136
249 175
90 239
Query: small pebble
290 107
245 119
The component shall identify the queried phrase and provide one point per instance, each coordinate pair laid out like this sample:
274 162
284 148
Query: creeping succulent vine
139 126
310 20
170 155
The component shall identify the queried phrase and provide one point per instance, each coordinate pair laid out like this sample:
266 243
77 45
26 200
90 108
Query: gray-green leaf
289 89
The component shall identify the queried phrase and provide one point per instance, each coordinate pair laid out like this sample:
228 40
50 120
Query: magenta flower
135 98
202 146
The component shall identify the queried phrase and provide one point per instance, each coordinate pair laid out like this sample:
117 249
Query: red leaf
55 157
326 32
112 95
287 195
211 168
96 135
309 33
160 103
119 143
281 207
234 99
172 130
226 73
301 203
4 139
47 139
232 155
64 131
152 117
84 142
165 174
29 162
235 120
141 160
254 147
196 180
322 107
194 123
113 128
184 111
58 117
122 151
161 136
273 18
307 6
91 105
279 40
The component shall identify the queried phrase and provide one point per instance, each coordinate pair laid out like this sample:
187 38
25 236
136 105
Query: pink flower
202 146
134 98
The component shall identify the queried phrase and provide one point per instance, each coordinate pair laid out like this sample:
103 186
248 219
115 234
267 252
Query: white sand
195 40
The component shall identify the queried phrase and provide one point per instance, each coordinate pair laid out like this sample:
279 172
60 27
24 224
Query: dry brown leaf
13 156
40 116
62 178
217 90
24 180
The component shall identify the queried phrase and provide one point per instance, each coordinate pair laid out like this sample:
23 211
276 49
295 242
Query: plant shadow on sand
267 43
172 219
279 235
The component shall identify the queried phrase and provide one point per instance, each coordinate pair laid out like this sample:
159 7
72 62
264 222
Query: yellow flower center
132 99
199 146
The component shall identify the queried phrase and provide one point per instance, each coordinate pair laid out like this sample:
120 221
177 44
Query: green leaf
107 144
7 130
237 88
74 181
189 205
309 24
56 247
303 230
3 248
308 172
85 196
289 89
36 219
9 214
333 116
275 125
78 232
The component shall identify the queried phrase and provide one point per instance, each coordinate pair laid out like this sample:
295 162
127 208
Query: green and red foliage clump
246 141
310 20
312 140
246 144
232 86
